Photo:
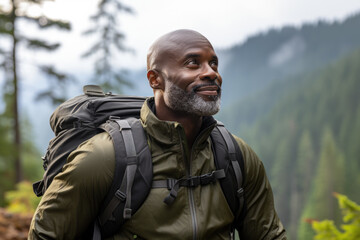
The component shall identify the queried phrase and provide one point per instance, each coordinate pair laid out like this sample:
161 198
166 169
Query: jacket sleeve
261 220
71 203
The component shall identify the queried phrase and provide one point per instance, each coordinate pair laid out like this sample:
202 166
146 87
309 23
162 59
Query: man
183 73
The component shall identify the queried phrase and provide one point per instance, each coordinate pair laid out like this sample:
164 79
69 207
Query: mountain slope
311 107
277 53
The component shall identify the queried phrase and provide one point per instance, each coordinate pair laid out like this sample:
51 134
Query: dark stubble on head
190 102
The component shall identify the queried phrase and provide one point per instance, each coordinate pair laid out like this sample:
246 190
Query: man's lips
212 90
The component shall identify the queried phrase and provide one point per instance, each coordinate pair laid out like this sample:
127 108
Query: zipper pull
232 235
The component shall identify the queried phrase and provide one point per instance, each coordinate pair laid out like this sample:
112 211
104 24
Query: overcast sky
224 23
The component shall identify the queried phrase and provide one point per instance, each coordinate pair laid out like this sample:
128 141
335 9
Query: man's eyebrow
191 55
196 55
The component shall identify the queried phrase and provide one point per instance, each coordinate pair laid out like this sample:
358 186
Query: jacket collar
169 132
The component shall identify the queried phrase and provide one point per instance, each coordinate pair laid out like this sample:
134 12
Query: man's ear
155 79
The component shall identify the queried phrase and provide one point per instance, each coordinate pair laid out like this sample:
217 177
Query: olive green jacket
71 203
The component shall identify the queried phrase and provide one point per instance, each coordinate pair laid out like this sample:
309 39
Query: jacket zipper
191 197
190 190
193 213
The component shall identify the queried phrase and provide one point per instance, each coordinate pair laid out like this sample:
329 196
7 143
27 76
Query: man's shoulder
246 150
252 162
98 150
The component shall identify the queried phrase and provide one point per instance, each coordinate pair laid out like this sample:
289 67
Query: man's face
192 81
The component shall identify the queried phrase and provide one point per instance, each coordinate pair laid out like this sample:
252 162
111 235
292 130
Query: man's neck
191 123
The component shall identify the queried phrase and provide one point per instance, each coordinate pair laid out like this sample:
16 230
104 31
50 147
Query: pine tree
9 31
329 178
304 173
281 183
106 24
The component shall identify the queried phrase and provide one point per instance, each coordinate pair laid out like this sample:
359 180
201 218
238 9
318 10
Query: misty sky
224 23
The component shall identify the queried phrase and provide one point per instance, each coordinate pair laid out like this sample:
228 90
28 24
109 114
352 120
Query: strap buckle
240 192
170 183
193 181
207 178
120 195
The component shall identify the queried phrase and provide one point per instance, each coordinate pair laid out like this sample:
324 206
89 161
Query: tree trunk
17 138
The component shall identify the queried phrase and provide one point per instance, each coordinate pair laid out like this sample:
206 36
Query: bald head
168 46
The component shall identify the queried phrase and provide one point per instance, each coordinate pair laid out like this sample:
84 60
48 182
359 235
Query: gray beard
189 102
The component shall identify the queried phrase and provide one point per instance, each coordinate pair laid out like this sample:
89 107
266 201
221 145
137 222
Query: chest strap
193 181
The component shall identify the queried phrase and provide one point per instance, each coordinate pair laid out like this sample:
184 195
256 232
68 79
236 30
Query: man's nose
208 73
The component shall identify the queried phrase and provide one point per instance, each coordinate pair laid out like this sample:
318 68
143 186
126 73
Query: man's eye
214 64
192 62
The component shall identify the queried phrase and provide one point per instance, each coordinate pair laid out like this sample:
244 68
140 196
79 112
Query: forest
291 93
308 140
305 127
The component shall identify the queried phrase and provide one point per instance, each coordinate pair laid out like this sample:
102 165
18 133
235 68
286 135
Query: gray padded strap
131 163
115 134
130 176
128 138
124 192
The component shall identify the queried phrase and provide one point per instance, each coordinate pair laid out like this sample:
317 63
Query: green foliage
302 180
305 231
329 178
22 200
41 45
57 81
315 114
44 22
6 154
326 229
31 161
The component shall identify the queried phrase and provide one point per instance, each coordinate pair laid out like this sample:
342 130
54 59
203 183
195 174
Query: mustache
194 89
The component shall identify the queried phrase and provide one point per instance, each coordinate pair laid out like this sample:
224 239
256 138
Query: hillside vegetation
306 129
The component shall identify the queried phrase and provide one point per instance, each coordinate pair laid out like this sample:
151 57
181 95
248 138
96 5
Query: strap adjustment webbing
193 181
120 195
124 192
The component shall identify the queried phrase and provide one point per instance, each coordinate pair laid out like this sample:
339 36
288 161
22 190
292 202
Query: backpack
84 116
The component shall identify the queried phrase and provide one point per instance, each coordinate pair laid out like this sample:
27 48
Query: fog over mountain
250 67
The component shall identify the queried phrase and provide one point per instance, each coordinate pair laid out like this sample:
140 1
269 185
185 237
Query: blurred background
291 81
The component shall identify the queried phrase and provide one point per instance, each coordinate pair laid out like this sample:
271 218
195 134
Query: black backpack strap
193 181
132 174
228 156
